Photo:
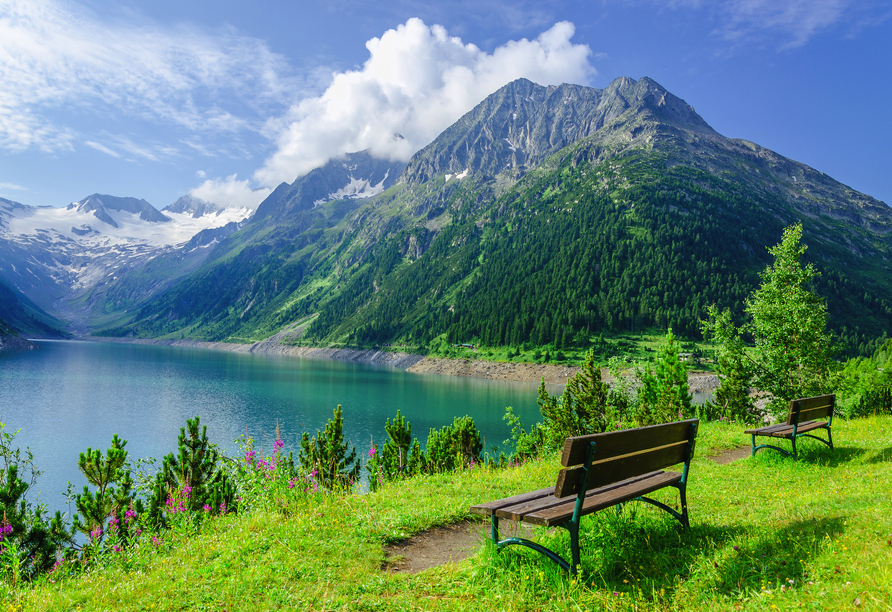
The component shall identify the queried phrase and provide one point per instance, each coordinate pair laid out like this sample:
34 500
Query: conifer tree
194 476
327 455
105 507
27 539
664 395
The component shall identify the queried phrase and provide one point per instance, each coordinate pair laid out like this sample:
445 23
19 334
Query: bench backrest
619 455
810 408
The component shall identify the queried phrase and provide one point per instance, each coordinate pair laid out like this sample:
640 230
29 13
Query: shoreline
698 382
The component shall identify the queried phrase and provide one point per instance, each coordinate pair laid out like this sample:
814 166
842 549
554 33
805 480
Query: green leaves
664 395
791 357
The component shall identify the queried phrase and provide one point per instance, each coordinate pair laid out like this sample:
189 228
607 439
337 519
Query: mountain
19 315
196 207
543 216
101 205
65 259
354 176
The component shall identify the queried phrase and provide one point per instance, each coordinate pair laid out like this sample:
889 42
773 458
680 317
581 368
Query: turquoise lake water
68 395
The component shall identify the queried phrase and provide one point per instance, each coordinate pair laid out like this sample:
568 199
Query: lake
70 395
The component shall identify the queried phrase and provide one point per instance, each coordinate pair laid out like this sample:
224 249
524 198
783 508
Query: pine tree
326 454
664 395
789 325
194 476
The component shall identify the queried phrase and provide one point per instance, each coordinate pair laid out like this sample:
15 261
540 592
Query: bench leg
573 528
683 498
570 526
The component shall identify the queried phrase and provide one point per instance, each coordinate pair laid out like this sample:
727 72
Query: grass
767 533
632 347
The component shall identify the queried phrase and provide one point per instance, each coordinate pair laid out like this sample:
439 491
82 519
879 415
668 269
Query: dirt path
456 542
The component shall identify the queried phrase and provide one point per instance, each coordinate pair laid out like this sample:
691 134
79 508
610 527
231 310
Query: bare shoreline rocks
417 364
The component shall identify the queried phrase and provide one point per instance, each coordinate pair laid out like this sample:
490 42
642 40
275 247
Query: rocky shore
15 343
418 364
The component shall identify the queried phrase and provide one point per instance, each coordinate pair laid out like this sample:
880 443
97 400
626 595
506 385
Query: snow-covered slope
57 255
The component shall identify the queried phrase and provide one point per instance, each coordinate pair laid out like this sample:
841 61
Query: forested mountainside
544 216
20 316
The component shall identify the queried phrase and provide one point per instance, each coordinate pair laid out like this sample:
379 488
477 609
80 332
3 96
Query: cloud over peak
417 81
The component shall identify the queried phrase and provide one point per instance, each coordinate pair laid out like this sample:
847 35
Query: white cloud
13 187
417 81
55 55
797 21
200 174
102 148
230 192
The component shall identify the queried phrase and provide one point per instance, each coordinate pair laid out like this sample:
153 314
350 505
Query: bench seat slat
489 508
517 512
598 499
783 430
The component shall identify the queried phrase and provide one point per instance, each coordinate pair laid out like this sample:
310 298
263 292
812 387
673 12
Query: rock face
353 176
520 125
99 205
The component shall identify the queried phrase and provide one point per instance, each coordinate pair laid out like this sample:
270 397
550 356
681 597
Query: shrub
192 479
454 446
326 456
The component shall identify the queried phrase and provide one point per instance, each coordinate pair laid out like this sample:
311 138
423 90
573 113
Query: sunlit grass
766 533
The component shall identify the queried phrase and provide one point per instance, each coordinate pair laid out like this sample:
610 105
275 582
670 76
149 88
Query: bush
326 457
452 447
193 479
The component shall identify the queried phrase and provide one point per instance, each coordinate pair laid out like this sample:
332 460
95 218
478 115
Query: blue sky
157 99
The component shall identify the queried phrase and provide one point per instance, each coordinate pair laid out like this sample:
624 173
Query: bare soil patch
732 454
447 544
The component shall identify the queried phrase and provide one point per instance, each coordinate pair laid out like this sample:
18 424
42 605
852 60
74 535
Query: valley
545 217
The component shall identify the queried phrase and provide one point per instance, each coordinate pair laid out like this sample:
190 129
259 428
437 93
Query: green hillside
24 317
641 222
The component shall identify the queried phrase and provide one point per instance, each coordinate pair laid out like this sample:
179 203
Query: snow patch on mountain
356 189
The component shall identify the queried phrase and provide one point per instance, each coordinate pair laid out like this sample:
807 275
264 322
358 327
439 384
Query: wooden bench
600 471
800 421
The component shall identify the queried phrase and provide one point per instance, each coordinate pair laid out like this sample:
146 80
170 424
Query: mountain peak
99 205
196 207
522 123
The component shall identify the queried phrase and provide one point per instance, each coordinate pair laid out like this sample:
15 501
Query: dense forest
574 249
558 261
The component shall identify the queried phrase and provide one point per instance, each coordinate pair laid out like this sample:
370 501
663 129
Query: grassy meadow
766 533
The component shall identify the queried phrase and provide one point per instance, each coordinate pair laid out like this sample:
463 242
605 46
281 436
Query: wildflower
113 522
96 533
222 507
736 548
206 508
156 540
129 515
249 457
277 445
292 482
116 548
372 452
